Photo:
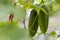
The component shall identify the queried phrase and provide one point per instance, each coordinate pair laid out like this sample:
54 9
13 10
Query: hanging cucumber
43 19
33 23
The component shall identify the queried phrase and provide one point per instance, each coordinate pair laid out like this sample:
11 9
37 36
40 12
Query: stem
38 36
24 24
45 37
42 2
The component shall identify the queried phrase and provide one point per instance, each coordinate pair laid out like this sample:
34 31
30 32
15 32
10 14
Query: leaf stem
41 2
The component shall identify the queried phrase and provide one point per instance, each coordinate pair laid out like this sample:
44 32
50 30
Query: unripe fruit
43 19
33 23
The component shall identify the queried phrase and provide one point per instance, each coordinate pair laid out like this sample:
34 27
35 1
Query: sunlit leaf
12 31
5 11
53 33
39 1
19 13
58 1
31 1
5 2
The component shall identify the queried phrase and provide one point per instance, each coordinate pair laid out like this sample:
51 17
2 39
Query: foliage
58 2
11 31
53 33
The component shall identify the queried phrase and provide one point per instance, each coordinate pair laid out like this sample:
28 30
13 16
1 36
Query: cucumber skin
43 20
33 23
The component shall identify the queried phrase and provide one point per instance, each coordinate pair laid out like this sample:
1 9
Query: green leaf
58 36
39 1
43 19
58 1
33 23
5 8
31 1
5 2
53 33
19 13
12 31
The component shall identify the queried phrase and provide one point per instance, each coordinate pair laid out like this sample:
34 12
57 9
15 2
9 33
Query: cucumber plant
39 17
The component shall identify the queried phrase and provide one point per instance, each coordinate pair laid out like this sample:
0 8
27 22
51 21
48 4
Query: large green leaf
3 10
58 1
43 19
5 2
19 13
11 31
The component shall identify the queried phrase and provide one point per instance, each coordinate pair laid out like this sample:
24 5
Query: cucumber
43 19
33 23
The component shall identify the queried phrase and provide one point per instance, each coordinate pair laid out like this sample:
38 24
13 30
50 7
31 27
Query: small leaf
58 36
53 33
